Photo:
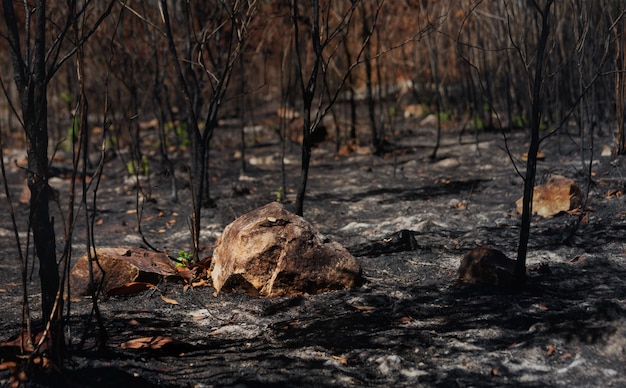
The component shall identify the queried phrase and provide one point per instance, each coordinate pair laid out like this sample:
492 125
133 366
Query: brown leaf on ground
169 300
577 259
130 288
540 156
614 193
200 283
184 273
153 343
364 308
342 360
7 365
22 342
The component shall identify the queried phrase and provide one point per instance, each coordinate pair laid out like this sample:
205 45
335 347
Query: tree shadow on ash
433 328
403 193
381 335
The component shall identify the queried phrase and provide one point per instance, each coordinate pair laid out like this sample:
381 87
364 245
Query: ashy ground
410 324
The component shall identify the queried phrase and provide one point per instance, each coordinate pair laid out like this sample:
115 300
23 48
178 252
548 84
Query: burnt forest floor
409 324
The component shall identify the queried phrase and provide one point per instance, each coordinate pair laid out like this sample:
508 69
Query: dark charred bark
308 92
369 94
31 83
531 165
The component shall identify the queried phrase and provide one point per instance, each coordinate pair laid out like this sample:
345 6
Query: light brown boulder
558 194
278 253
122 266
486 266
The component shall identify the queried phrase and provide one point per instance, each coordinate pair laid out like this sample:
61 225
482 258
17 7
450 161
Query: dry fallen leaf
169 300
364 308
614 193
184 273
540 156
200 283
131 288
585 219
154 343
342 360
576 259
23 342
230 321
7 365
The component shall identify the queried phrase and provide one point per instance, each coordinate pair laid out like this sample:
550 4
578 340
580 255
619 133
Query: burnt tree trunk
308 92
531 164
31 81
369 94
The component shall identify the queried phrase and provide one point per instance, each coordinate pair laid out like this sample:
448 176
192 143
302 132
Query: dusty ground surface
410 324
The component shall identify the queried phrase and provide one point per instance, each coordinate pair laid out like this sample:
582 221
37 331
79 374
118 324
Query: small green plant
545 126
72 135
280 193
143 168
477 121
445 116
519 121
67 98
180 130
110 141
184 259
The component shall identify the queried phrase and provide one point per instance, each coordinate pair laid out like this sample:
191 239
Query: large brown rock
278 253
558 194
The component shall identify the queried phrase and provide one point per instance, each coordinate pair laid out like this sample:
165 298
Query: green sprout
67 98
519 121
478 122
280 193
445 116
143 168
184 259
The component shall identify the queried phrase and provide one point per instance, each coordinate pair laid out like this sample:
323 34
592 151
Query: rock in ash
278 253
558 194
486 266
